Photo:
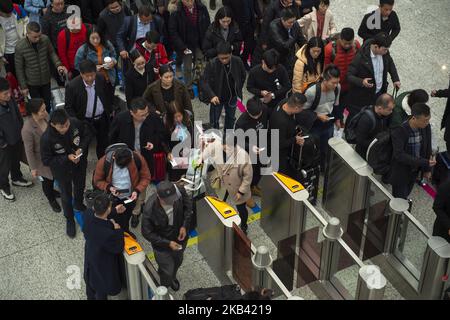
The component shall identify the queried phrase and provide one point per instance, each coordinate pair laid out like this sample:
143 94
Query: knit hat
254 107
6 6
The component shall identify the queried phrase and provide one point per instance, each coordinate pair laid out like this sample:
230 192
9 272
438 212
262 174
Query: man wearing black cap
255 118
166 219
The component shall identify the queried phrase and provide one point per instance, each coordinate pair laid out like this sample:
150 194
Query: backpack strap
67 34
333 50
108 160
372 118
316 101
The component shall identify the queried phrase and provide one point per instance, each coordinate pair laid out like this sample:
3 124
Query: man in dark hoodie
10 143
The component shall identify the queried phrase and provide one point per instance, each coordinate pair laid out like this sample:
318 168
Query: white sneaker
22 183
7 194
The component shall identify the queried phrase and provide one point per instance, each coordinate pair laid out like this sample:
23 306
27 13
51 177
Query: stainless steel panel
276 209
211 241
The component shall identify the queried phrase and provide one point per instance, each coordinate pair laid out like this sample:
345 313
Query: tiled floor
38 261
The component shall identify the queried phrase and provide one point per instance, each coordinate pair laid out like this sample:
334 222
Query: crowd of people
307 79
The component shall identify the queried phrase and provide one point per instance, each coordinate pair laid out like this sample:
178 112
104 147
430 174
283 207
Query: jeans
243 214
216 111
323 131
10 163
78 179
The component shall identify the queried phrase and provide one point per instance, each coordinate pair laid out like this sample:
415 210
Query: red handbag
159 163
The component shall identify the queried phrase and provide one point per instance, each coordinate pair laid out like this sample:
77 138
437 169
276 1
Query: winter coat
34 69
10 124
214 36
391 26
52 23
446 118
34 7
309 25
154 96
361 68
302 79
235 174
31 136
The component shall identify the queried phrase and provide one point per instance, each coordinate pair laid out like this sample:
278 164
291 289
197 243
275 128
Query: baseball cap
167 192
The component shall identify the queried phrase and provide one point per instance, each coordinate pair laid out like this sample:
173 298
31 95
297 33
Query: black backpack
380 153
316 101
350 128
109 152
227 292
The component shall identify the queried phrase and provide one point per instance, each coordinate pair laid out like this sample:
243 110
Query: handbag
216 182
159 166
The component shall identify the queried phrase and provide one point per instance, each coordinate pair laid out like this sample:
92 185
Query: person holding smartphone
165 223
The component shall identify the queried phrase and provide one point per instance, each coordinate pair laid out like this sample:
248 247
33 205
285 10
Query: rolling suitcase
306 161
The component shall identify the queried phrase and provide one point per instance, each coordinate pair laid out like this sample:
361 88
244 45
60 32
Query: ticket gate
215 235
380 228
310 249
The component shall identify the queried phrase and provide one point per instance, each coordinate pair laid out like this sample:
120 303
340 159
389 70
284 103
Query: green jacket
398 114
33 67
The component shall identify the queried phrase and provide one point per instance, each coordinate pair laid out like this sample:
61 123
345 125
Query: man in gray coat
33 54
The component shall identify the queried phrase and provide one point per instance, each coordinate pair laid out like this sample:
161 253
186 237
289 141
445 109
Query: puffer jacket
214 36
302 79
33 68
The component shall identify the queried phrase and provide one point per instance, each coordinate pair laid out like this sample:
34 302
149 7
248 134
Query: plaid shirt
192 16
414 142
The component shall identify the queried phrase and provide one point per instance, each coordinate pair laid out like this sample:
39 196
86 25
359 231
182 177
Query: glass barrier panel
410 246
376 223
345 279
310 248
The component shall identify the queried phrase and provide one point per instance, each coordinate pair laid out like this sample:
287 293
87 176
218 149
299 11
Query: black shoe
7 194
212 4
71 228
175 285
57 194
80 207
134 220
21 182
55 206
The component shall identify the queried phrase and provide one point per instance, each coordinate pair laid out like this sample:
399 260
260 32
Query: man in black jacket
283 121
411 144
10 143
111 20
88 98
269 81
274 11
372 122
64 148
134 28
256 118
142 131
166 221
103 249
222 83
441 207
367 74
284 35
188 23
445 124
383 19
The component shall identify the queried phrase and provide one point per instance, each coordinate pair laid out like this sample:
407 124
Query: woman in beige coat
33 128
309 65
234 170
318 23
